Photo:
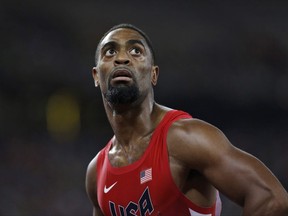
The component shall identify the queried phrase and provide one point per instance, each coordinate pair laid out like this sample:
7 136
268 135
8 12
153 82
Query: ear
154 75
95 76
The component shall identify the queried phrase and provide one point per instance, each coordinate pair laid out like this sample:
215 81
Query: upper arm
91 186
237 174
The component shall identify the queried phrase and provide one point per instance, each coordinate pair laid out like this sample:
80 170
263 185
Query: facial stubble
122 94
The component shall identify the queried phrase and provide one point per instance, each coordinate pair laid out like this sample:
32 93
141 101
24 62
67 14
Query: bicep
238 174
235 173
91 186
97 211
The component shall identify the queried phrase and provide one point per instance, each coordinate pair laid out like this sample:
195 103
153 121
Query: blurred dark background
222 61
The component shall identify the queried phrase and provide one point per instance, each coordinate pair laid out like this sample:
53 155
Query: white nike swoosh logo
106 190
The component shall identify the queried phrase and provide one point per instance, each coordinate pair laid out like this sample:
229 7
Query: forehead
123 35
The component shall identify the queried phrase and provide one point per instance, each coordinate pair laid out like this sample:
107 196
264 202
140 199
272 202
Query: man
162 161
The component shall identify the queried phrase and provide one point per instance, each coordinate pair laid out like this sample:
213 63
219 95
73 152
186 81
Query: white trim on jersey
194 213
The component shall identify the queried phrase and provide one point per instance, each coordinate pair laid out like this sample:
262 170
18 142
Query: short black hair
128 26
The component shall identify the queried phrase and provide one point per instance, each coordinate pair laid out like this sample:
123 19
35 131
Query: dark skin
201 157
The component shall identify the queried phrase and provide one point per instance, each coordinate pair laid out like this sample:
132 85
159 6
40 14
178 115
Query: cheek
145 76
103 70
145 71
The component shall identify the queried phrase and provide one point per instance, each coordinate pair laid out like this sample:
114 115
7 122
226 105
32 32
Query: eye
110 52
135 51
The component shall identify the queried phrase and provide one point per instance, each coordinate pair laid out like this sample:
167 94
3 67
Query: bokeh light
63 116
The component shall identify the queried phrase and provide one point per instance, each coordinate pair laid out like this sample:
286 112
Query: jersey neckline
136 164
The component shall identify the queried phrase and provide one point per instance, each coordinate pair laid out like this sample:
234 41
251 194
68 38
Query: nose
122 59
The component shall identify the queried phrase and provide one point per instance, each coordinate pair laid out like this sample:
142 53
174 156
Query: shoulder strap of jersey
171 117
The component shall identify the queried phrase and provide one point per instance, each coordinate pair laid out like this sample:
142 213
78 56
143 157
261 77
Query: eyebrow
109 44
129 42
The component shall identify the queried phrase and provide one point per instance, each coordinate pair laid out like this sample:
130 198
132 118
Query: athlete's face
125 71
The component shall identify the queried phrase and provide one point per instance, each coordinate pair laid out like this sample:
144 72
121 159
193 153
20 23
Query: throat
129 155
124 155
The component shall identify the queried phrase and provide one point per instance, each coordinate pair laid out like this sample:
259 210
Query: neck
132 122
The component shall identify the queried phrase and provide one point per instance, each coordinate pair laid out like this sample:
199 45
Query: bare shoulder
195 128
91 185
91 180
91 169
203 147
196 142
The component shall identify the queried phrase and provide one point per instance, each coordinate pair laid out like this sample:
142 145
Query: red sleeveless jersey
146 187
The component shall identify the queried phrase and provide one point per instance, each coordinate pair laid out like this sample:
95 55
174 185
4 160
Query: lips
121 75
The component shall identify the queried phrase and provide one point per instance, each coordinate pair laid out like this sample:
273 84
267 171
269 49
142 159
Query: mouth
121 75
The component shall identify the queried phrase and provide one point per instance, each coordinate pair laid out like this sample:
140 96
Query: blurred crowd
224 63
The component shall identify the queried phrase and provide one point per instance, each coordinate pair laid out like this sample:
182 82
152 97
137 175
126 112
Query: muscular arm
236 174
91 188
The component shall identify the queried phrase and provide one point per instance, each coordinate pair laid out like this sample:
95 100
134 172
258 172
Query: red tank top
146 187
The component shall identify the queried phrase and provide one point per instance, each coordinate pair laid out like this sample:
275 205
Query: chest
123 155
146 182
